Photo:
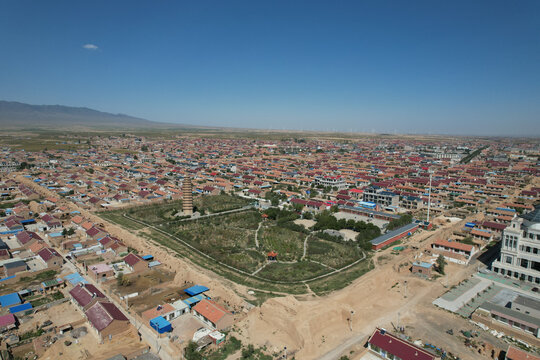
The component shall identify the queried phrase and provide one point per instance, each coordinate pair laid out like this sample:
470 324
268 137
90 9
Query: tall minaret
187 196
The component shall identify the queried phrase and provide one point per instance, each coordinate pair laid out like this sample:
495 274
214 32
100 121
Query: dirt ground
88 347
349 234
62 314
153 298
185 326
305 222
317 326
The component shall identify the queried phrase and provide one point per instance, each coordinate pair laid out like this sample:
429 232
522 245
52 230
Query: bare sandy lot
319 326
305 222
88 347
62 314
378 222
349 234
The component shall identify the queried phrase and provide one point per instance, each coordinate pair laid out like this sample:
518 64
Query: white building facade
520 248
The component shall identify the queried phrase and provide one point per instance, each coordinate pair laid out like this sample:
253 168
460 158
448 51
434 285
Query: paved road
247 207
338 351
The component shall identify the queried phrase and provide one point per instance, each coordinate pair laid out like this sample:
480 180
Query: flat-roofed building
380 196
332 181
100 272
518 323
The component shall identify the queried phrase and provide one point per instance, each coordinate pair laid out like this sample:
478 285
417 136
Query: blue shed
148 257
10 300
19 308
160 325
196 290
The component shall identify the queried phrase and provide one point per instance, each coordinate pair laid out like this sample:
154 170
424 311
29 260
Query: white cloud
91 47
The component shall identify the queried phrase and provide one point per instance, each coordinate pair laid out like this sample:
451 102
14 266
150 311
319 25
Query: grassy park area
236 244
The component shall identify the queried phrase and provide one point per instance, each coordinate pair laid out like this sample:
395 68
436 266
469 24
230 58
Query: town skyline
420 68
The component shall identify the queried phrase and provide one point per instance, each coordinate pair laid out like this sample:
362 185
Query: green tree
440 264
68 231
121 280
248 352
402 221
191 353
298 207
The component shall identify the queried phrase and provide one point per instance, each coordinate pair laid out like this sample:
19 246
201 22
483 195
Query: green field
220 203
225 243
228 238
332 254
287 243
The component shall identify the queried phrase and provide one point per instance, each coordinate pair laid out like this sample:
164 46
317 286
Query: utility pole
429 196
350 320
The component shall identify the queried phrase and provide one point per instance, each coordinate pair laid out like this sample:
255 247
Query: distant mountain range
19 115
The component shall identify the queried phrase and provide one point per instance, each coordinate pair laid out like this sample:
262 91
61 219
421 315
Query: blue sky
452 67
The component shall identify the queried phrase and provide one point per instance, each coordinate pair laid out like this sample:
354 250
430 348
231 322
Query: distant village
72 282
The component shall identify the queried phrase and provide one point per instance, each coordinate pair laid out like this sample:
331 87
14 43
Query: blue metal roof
147 257
393 233
19 308
423 264
194 300
10 300
160 324
7 278
196 290
75 278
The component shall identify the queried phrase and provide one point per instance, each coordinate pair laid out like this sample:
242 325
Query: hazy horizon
420 67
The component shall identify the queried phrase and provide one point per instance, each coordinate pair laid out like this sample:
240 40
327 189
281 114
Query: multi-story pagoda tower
187 197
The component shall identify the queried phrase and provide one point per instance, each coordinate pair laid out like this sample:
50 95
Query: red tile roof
25 236
102 314
398 347
454 245
131 259
48 253
517 354
210 310
7 320
83 294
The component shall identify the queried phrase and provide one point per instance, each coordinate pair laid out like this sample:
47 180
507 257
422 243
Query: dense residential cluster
55 253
